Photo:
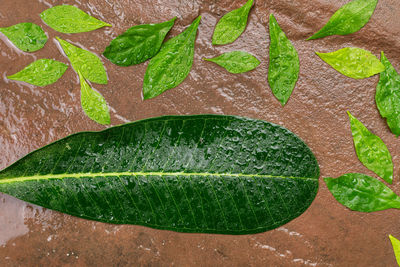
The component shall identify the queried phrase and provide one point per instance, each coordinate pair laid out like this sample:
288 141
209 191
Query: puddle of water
12 217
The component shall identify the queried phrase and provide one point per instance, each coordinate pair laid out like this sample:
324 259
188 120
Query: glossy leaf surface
201 173
348 19
236 61
353 62
93 103
284 64
138 43
361 192
41 72
232 25
172 64
28 37
388 96
396 248
371 150
85 62
70 19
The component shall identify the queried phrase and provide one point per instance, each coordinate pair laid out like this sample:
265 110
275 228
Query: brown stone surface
327 234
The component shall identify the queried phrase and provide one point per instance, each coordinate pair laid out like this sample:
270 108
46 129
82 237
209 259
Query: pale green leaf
85 62
70 19
93 103
41 72
371 150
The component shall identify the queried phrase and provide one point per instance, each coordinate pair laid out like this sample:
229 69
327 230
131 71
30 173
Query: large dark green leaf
202 173
138 43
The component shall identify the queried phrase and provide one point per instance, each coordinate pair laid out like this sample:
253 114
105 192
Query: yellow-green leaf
396 248
28 37
371 150
41 72
85 62
93 103
70 19
353 62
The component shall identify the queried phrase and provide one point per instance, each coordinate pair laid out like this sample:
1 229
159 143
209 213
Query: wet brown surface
327 234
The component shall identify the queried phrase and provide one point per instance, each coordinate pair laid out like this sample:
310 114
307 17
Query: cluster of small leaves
228 30
170 62
354 190
89 67
361 192
30 37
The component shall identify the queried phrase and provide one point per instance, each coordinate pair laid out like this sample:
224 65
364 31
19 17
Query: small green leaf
138 43
70 19
172 64
93 103
41 72
28 37
363 193
85 62
231 25
353 62
388 96
371 150
348 19
198 174
236 61
284 64
396 248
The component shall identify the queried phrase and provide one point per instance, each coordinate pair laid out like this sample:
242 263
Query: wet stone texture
327 234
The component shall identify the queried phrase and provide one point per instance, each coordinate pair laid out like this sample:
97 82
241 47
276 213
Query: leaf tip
198 19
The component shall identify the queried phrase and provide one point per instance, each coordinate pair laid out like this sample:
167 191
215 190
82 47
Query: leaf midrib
141 173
